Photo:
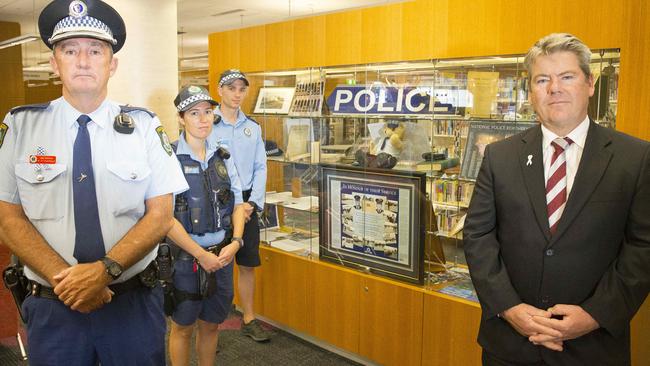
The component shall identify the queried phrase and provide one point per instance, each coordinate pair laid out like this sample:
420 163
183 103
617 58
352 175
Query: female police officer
208 228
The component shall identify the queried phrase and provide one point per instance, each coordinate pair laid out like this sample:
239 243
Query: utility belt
147 279
207 282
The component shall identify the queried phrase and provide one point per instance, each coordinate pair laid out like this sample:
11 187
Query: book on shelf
437 165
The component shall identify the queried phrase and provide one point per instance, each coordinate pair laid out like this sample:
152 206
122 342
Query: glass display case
431 117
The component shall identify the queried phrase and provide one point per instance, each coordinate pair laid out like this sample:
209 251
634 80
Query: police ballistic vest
208 205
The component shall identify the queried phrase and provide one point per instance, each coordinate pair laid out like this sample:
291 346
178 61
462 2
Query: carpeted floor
235 349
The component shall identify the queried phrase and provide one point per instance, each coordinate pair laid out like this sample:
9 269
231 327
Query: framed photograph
274 101
371 219
481 134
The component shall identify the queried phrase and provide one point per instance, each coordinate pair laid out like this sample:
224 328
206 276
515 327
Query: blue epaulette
28 107
174 146
129 109
252 120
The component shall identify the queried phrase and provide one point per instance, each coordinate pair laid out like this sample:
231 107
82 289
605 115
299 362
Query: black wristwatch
113 268
240 241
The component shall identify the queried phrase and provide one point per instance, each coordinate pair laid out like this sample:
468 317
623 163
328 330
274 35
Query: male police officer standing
85 194
243 137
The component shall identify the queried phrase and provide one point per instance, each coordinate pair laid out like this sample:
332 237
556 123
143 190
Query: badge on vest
3 132
221 169
247 132
164 140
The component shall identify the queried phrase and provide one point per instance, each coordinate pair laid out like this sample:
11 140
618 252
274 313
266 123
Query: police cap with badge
229 76
191 95
64 19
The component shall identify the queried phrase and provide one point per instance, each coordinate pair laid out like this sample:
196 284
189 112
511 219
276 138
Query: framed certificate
371 219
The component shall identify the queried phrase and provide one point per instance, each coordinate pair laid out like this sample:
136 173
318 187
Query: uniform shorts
249 255
214 309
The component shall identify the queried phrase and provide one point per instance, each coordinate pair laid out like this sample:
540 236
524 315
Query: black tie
88 244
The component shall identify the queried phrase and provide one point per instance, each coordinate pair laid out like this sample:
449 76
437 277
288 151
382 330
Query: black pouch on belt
16 282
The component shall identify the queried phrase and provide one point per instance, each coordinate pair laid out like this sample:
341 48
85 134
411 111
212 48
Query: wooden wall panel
640 334
223 53
253 50
279 45
634 90
343 39
12 92
309 42
381 33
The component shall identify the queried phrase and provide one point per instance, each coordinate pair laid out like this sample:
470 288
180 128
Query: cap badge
194 89
78 9
247 131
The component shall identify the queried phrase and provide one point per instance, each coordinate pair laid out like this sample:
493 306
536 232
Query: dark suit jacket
599 257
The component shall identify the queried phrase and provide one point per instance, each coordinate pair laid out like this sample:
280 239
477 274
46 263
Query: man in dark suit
557 236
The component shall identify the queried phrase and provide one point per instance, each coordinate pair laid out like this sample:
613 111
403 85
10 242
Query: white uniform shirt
128 169
573 152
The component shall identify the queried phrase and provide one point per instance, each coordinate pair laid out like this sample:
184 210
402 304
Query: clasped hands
211 262
83 287
550 328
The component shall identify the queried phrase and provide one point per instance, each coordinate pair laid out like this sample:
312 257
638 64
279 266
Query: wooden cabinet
284 288
450 330
334 305
390 322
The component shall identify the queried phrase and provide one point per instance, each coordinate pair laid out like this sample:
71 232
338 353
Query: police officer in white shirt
243 138
85 196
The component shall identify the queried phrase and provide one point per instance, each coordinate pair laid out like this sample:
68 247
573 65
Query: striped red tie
556 184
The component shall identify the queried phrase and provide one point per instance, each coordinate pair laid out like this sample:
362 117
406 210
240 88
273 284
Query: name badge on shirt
192 169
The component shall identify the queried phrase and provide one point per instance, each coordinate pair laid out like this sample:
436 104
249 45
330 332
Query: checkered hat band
82 25
227 79
194 98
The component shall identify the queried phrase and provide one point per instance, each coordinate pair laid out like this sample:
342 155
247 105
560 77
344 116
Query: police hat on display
229 76
272 148
63 19
191 95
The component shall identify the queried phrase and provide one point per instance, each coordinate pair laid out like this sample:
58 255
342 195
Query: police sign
385 100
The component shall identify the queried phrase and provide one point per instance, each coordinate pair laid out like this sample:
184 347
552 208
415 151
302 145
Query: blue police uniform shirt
128 169
183 148
244 141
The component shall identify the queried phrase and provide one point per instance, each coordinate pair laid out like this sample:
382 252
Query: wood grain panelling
640 334
451 327
309 42
634 90
12 92
343 40
381 40
42 94
253 50
334 300
279 45
284 288
390 322
223 54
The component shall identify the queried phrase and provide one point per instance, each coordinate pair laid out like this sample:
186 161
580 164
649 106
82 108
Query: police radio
223 153
124 124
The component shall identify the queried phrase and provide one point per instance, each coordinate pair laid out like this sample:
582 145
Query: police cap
63 19
229 76
191 95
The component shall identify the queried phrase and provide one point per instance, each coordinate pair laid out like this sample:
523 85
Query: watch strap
239 240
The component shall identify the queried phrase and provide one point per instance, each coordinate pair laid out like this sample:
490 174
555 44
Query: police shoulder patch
29 107
164 140
3 132
129 109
